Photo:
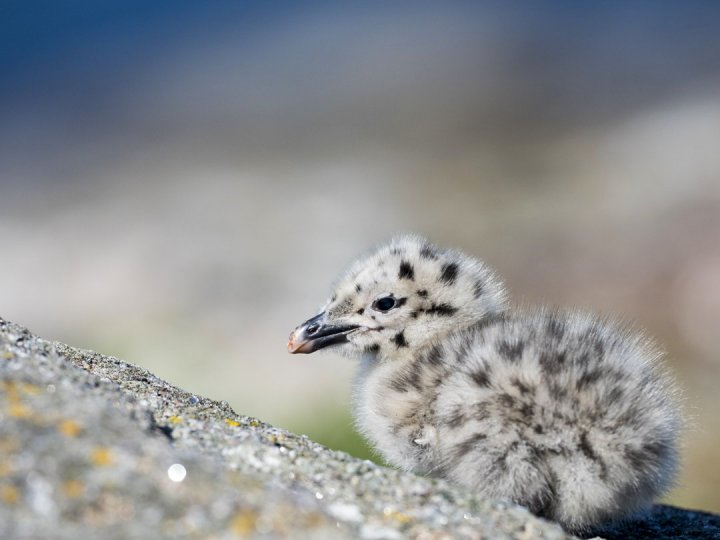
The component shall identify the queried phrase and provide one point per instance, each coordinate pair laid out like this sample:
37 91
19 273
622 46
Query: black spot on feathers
478 288
468 445
406 381
481 378
435 356
445 310
427 252
449 273
406 271
456 418
589 452
555 328
510 352
399 340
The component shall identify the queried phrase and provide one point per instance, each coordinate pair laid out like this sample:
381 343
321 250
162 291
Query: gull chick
566 413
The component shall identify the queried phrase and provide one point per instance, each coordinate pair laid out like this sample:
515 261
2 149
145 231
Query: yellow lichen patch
254 423
232 423
243 523
9 494
396 516
101 456
73 489
175 419
18 410
69 428
313 519
12 392
30 389
7 355
278 438
4 468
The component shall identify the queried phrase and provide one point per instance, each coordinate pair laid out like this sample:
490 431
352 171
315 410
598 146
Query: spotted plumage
564 412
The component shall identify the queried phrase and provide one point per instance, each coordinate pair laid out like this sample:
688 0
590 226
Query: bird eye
384 304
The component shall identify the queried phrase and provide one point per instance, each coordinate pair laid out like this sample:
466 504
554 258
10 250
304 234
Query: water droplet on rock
177 472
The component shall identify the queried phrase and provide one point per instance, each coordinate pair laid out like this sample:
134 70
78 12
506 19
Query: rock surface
94 447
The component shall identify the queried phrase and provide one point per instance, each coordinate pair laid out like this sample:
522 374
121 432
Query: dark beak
315 334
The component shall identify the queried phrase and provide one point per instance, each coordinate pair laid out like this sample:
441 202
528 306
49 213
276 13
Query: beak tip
314 334
295 349
293 346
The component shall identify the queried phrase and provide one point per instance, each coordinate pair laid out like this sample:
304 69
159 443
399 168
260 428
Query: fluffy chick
565 413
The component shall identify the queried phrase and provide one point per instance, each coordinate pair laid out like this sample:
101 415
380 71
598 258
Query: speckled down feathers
566 413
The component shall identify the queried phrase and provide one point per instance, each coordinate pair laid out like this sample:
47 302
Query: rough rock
94 447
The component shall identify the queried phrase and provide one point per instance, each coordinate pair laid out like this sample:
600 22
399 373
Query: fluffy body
566 413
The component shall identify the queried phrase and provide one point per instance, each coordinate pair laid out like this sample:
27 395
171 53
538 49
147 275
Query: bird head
404 296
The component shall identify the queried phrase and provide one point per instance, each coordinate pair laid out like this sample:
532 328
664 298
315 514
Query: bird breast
393 409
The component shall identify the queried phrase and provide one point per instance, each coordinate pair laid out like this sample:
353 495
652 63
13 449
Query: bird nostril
312 328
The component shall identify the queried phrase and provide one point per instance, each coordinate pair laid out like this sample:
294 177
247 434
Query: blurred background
181 182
